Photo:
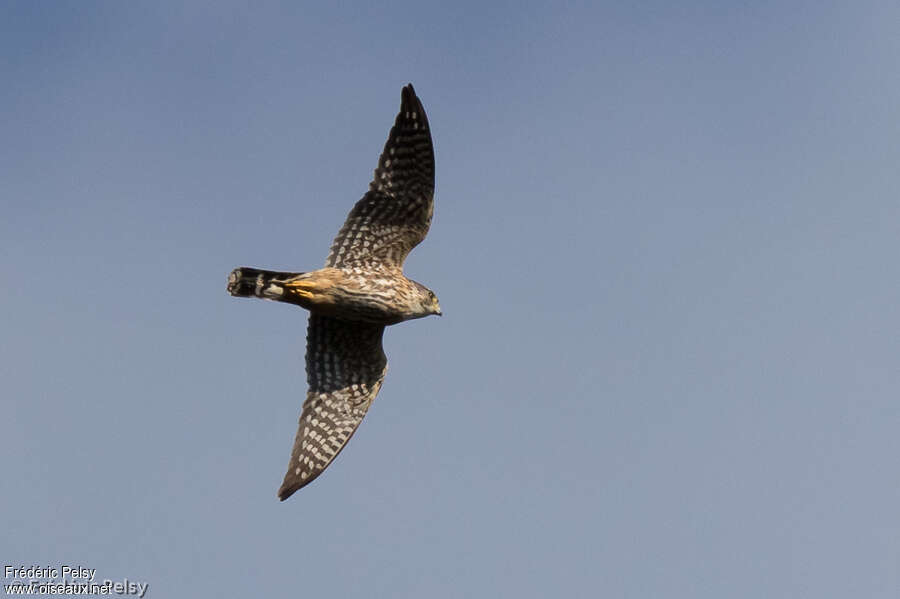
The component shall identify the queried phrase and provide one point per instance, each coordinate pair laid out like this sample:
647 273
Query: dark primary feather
395 214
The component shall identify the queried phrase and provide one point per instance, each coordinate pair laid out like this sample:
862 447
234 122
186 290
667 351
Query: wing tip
409 100
291 485
286 491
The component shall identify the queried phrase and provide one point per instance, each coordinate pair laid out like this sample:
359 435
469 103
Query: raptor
359 292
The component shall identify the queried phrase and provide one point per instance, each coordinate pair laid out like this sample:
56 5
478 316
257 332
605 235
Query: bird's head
428 300
432 304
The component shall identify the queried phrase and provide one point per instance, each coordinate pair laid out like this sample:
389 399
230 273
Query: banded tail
253 282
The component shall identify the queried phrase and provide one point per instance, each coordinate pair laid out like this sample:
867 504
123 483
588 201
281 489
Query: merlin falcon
360 291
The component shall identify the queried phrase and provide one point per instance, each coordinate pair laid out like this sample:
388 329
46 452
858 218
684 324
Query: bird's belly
357 310
349 296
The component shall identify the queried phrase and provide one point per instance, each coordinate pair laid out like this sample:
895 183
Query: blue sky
665 243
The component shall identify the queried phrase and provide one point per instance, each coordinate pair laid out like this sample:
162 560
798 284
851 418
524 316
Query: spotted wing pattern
395 214
345 365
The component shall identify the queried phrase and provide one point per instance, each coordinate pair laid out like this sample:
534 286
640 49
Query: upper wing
394 215
345 366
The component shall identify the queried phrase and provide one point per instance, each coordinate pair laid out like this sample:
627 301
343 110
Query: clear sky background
666 243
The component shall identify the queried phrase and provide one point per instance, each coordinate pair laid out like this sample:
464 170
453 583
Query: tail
253 282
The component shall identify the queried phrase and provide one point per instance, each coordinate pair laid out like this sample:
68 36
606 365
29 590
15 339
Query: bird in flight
360 291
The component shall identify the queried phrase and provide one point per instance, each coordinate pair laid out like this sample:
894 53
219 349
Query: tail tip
234 278
244 282
252 282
